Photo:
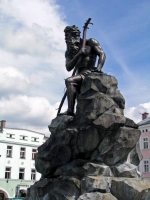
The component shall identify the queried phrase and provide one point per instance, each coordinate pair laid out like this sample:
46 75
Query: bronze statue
83 58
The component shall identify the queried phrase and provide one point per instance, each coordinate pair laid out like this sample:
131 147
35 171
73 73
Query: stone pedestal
93 155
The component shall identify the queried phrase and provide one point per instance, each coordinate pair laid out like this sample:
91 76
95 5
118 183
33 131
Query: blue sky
32 50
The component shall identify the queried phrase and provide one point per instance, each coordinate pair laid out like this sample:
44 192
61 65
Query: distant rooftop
21 129
3 126
145 121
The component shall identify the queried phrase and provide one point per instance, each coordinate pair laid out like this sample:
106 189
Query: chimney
145 115
3 124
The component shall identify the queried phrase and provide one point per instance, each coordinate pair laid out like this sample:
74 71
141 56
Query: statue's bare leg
72 83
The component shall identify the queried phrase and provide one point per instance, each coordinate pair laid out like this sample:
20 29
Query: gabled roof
145 121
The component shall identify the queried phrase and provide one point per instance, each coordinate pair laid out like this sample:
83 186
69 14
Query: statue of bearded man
83 59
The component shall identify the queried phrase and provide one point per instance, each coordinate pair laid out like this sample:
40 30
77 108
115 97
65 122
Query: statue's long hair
71 29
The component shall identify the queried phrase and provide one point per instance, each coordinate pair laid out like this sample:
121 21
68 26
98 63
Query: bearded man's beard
72 50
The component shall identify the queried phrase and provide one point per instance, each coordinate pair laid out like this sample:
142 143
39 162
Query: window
21 173
34 139
145 143
33 174
7 172
9 135
146 166
143 131
23 137
146 130
22 152
33 153
9 151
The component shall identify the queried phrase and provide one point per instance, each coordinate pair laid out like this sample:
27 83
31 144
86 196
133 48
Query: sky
32 62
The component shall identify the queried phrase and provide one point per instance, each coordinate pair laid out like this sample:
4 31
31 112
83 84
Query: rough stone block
95 184
125 170
93 169
97 196
128 189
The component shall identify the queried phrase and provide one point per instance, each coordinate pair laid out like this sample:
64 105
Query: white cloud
35 26
33 113
32 60
33 39
24 41
40 11
37 78
21 62
33 34
134 113
27 109
12 80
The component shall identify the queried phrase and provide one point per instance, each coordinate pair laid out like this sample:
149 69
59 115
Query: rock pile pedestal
93 155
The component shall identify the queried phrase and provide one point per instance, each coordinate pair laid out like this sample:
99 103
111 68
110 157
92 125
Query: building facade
144 127
17 164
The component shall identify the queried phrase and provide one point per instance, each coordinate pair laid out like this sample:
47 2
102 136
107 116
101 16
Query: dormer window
23 137
10 135
35 139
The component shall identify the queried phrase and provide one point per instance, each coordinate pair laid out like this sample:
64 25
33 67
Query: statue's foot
67 113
